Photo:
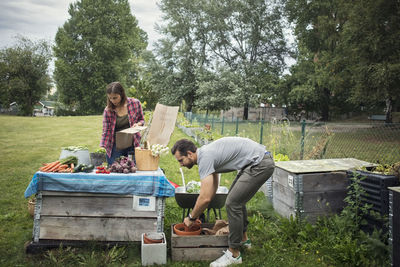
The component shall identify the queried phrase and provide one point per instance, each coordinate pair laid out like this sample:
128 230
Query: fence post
237 125
206 119
303 133
222 127
261 131
212 122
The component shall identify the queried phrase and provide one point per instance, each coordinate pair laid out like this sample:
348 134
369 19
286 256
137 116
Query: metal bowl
188 200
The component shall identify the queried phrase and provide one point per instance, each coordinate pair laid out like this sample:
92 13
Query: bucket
145 161
82 155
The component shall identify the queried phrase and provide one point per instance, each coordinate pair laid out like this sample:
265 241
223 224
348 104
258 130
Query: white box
154 253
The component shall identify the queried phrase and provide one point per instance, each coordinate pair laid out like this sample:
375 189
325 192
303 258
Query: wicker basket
31 207
145 161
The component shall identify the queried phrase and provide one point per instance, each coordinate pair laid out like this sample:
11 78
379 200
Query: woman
120 113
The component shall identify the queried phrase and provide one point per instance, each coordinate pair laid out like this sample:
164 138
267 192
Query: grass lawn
26 142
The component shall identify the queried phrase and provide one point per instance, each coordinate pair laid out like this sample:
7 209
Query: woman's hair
183 146
115 88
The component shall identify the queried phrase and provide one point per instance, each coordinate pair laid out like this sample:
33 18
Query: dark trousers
244 187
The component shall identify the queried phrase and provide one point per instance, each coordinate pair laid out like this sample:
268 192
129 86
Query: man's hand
188 222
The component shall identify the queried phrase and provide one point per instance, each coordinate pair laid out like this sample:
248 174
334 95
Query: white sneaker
246 244
226 260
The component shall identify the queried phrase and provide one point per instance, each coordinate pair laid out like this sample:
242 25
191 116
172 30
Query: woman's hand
137 124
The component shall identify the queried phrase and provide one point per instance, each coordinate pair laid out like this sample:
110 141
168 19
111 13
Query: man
255 166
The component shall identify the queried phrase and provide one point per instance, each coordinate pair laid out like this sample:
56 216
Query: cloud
34 19
40 19
147 13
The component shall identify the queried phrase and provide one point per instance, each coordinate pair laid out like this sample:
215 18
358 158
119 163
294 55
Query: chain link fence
372 142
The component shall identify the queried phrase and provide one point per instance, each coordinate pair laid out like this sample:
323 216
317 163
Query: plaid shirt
135 115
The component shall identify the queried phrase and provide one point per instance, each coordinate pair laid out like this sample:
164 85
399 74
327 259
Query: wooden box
101 217
311 188
199 247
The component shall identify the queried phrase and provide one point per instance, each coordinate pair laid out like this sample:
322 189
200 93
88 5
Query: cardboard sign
124 138
162 125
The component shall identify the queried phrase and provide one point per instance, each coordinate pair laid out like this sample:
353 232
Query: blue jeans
118 153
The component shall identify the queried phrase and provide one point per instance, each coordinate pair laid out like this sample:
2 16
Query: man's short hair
183 146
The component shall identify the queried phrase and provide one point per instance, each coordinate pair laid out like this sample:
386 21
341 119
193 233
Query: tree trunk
389 107
325 105
246 111
189 103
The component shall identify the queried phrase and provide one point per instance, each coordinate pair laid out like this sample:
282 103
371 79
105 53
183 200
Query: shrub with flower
159 150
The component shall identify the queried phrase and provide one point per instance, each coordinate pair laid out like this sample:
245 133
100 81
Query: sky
40 19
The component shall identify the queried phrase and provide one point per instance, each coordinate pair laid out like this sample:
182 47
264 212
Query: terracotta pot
182 229
152 239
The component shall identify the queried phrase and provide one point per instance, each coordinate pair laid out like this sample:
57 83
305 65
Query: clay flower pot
182 229
152 238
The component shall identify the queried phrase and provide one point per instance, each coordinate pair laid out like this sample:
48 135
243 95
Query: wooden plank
196 254
77 194
322 165
99 229
286 211
321 202
92 206
282 208
281 176
328 181
198 240
324 181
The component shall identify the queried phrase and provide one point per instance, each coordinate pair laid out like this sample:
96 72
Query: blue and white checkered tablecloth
141 183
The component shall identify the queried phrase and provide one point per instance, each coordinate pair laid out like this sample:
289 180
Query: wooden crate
67 216
197 248
311 188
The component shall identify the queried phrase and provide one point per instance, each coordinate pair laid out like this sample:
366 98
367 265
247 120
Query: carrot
49 166
72 167
52 169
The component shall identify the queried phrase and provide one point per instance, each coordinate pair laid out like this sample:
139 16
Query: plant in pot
98 156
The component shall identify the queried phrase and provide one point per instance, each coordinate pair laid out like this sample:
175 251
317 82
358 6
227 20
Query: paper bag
124 138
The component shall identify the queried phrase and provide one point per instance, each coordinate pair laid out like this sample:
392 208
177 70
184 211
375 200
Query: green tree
24 74
181 53
142 87
371 47
318 30
206 41
96 46
247 36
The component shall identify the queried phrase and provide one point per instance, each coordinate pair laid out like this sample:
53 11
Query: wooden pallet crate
199 247
68 217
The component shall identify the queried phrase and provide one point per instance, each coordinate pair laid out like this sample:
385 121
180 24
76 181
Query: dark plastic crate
376 192
394 225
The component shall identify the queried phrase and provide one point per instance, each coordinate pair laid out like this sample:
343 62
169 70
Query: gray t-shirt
228 154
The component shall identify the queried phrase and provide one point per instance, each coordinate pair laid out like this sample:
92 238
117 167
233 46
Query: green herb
75 148
69 160
101 150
